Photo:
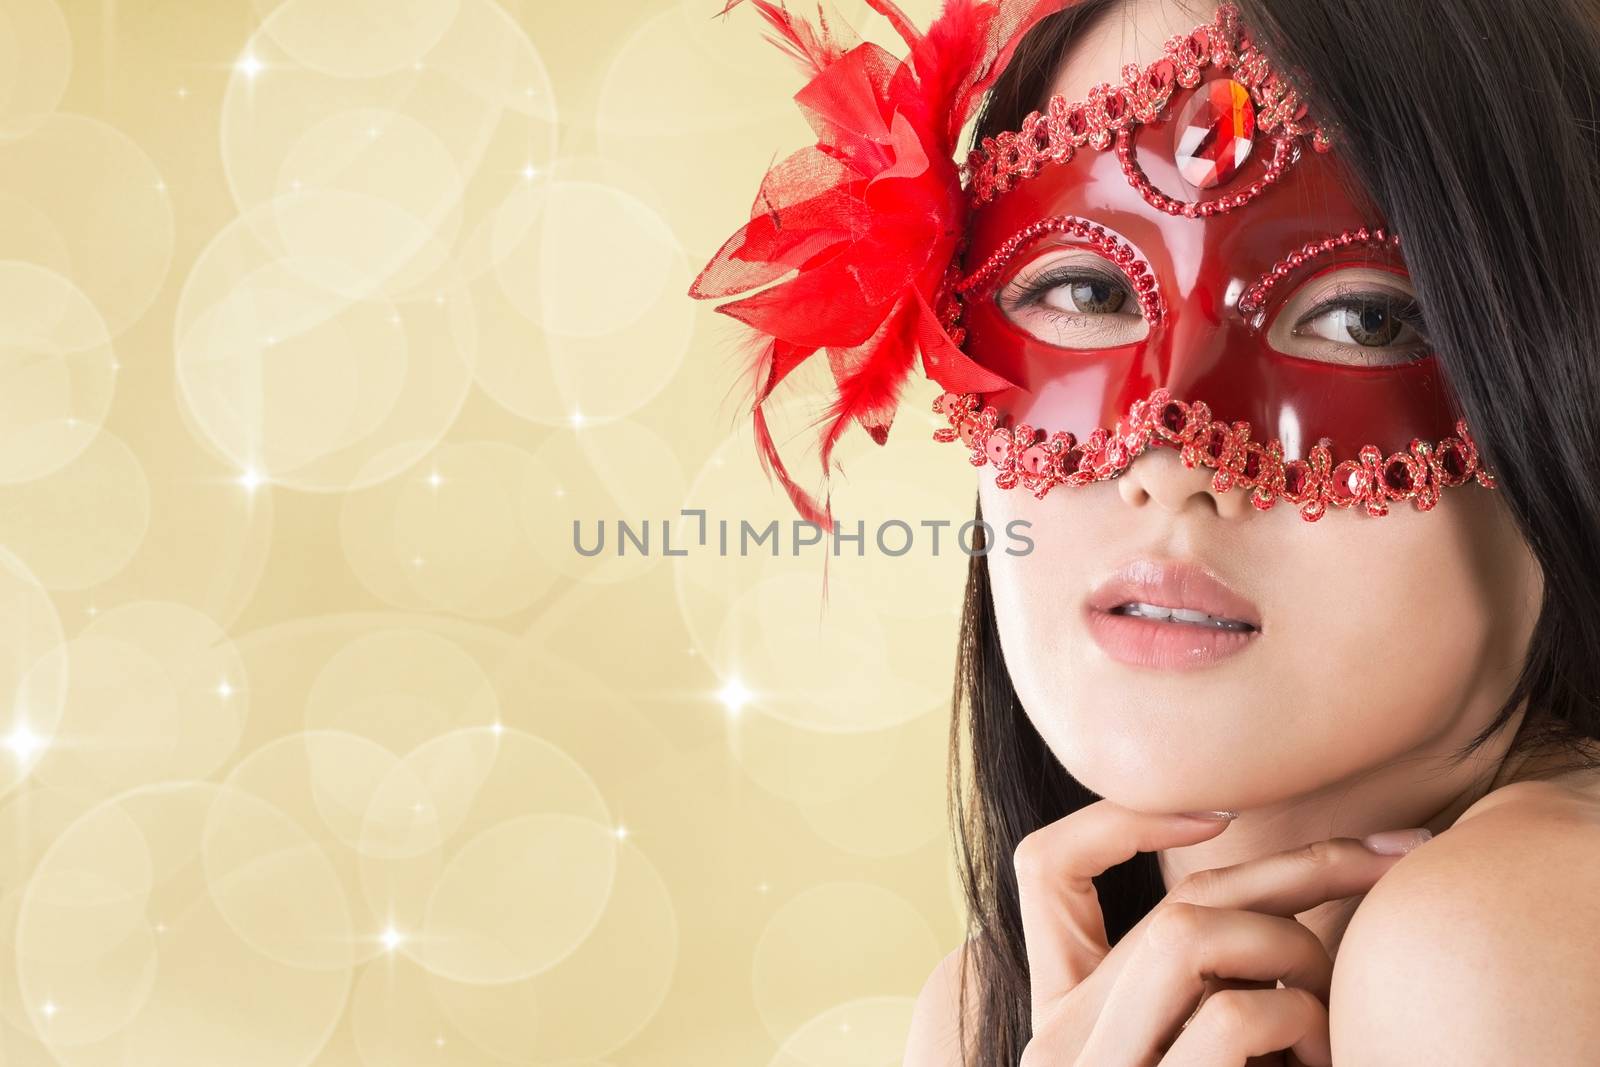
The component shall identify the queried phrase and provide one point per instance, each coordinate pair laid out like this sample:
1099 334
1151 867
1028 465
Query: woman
1420 663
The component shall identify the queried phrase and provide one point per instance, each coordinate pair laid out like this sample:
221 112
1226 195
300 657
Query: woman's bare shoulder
1577 791
934 1039
1568 771
1478 947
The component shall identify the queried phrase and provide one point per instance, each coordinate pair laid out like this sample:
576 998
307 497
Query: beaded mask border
1025 456
1099 238
1254 299
1111 111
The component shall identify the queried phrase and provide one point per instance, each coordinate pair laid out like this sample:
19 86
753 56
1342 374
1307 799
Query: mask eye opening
982 281
1354 310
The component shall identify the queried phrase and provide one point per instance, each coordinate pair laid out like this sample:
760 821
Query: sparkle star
734 697
249 66
24 743
251 479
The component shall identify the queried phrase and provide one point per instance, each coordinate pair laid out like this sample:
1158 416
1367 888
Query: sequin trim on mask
1055 134
1038 461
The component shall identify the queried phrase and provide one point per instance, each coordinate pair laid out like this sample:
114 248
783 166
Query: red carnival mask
1186 207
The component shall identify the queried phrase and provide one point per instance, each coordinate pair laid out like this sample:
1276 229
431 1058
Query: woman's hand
1131 1006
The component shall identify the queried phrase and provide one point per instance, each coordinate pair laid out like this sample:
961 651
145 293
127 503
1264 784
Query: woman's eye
1089 296
1355 317
1371 321
1076 303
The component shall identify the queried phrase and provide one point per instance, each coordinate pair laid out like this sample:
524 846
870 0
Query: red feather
813 48
867 220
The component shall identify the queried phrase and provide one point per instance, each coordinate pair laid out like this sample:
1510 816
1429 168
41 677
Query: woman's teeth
1194 618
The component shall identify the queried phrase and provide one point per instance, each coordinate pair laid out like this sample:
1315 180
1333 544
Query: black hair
1474 131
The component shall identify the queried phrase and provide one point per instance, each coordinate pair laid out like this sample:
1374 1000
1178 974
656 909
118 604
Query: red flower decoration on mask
870 217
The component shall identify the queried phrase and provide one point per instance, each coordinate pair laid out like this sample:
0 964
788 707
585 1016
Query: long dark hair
1475 132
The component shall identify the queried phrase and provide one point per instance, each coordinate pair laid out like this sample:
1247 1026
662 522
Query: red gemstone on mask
1116 105
1172 417
1455 464
1346 480
1078 121
1215 132
1161 75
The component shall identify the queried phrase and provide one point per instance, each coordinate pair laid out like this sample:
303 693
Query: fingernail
1212 815
1397 842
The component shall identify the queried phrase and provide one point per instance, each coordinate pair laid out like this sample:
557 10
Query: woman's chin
1174 772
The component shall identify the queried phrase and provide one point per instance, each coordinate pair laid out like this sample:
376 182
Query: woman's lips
1164 645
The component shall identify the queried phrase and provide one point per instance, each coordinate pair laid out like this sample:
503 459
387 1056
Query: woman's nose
1158 477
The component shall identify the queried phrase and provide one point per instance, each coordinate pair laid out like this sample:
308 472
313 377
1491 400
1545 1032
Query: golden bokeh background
321 321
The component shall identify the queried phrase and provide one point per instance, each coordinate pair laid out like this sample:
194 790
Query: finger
1288 882
1234 1024
1213 984
1283 883
1062 924
1183 946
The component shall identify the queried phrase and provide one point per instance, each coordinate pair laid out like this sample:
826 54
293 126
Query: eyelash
1404 308
1033 293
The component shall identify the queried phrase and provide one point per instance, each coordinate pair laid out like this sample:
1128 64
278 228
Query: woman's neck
1424 789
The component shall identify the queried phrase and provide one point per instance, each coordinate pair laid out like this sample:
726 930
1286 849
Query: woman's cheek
1377 631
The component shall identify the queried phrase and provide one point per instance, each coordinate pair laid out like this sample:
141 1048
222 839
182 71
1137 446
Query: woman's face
1382 639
